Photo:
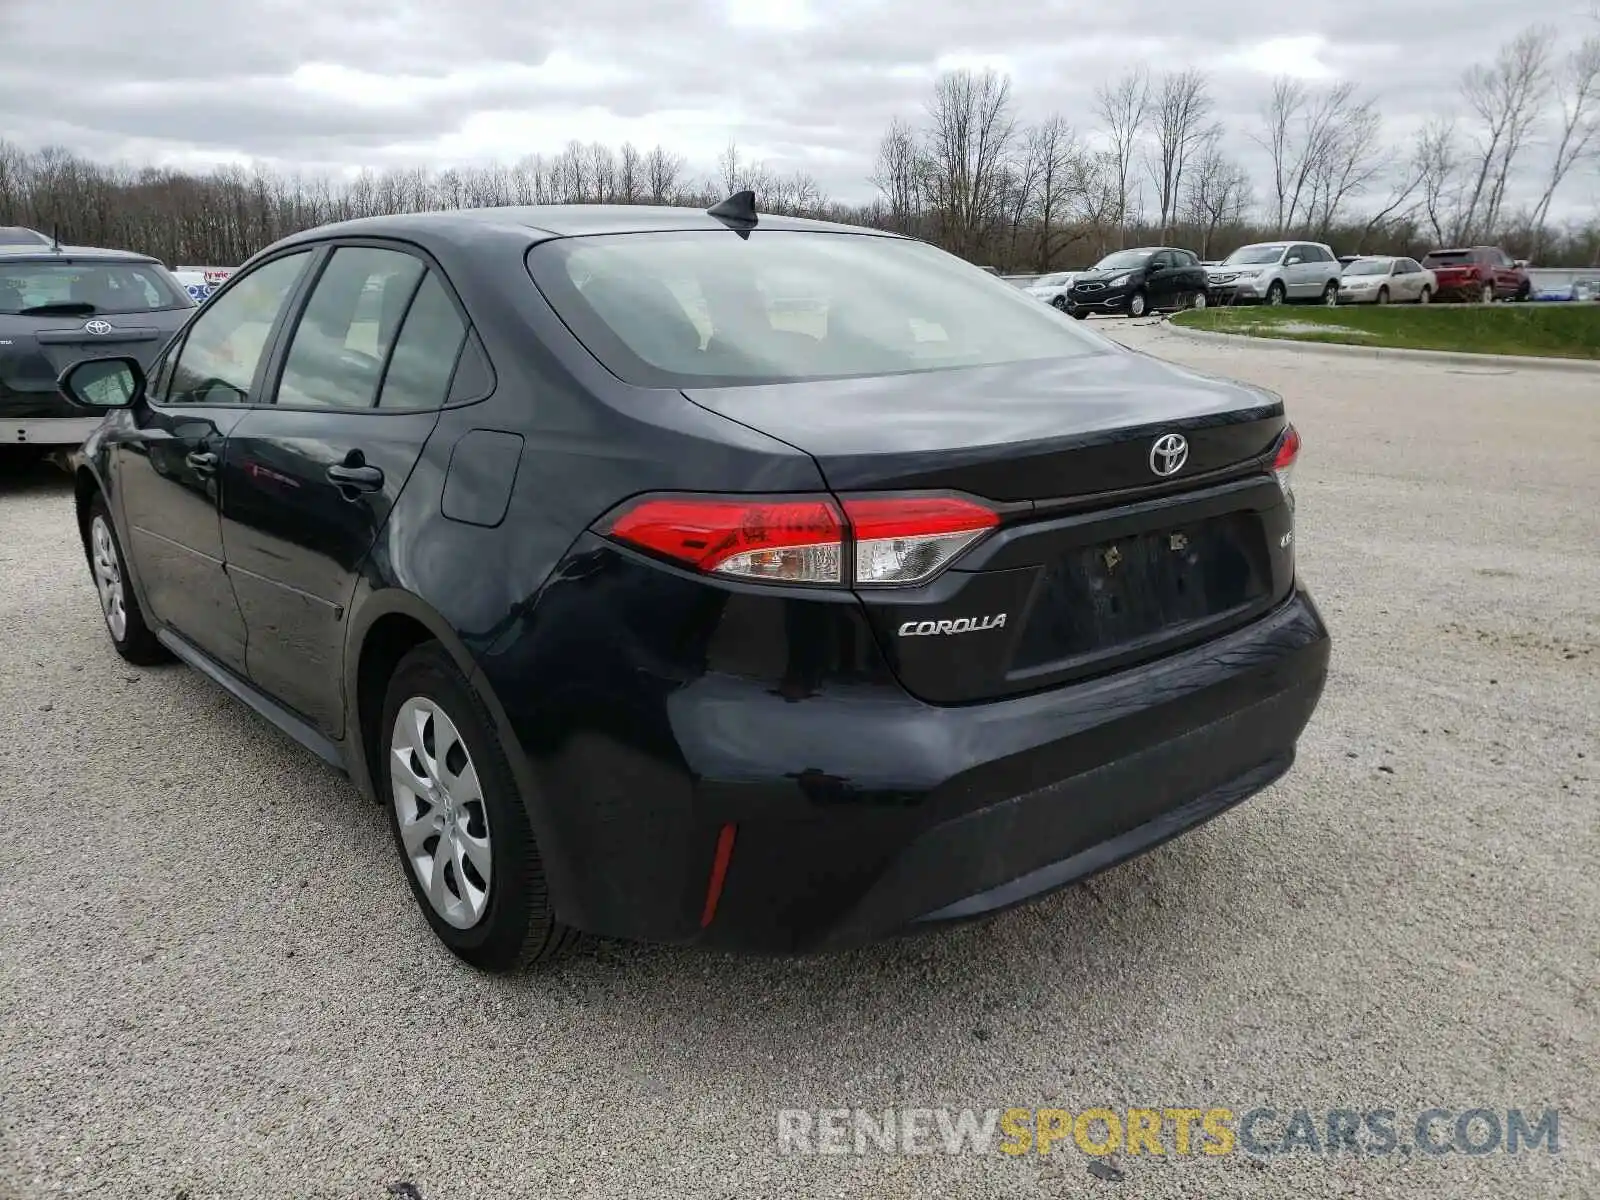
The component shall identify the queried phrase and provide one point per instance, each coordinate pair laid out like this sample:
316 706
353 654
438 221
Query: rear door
310 478
166 462
1304 277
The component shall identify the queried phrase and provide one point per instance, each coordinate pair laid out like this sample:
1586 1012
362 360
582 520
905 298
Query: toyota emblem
98 328
1170 452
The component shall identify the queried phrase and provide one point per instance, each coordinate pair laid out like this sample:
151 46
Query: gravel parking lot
213 982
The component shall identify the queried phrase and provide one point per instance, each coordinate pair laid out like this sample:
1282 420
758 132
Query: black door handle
359 479
202 462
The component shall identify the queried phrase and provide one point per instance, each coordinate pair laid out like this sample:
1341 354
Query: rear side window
425 353
344 335
711 308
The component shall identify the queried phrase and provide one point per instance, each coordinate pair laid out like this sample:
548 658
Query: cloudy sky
329 84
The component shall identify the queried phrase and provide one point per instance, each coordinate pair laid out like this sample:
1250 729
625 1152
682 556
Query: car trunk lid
1101 560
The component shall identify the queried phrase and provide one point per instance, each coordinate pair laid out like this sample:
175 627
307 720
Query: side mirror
1522 262
103 382
1294 260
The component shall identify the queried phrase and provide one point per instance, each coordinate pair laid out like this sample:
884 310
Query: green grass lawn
1541 330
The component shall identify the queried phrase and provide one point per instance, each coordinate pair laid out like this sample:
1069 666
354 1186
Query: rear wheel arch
387 627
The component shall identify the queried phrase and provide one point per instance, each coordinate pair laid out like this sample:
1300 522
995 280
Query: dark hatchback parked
758 583
58 304
1140 281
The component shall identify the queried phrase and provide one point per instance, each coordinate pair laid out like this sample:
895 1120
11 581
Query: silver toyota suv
1275 273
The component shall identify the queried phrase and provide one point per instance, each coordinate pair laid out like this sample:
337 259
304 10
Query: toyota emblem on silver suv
1170 452
98 328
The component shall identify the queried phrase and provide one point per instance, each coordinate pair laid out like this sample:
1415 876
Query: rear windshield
1369 266
710 308
1445 258
88 289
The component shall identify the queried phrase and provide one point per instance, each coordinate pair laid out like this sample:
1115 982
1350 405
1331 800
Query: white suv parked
1275 273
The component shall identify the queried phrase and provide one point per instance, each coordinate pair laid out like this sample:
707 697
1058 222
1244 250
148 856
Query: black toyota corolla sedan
707 577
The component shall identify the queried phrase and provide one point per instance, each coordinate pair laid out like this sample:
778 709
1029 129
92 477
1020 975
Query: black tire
1524 292
1277 293
1140 301
1426 297
1079 314
1330 294
1383 295
517 928
1059 303
136 642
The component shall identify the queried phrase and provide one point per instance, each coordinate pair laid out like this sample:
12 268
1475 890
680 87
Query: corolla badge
959 625
1170 452
98 328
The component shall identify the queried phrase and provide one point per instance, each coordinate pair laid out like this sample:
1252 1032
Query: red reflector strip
719 872
916 516
705 533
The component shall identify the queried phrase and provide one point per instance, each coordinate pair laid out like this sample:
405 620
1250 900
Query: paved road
214 984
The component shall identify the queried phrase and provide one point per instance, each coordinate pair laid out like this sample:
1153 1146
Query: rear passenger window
337 355
426 351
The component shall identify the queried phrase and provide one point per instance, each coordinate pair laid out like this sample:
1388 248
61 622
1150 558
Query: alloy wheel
1199 300
108 578
439 806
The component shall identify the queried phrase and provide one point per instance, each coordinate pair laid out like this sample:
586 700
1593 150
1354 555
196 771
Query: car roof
10 254
33 236
558 220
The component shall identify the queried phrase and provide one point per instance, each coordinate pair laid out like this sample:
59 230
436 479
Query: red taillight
897 540
793 541
1283 462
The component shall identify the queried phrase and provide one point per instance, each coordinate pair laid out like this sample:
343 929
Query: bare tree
662 171
1181 123
1217 192
1577 84
1351 158
1124 107
970 136
1506 96
1060 176
1324 147
899 174
1438 164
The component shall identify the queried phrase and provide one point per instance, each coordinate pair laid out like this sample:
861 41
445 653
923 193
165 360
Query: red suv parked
1481 273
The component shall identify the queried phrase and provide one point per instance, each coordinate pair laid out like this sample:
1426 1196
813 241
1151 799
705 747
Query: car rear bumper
858 814
46 431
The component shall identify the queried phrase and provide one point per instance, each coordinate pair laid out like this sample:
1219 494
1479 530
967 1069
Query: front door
1161 281
167 464
310 480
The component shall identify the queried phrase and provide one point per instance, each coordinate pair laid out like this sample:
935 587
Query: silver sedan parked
1052 289
1383 279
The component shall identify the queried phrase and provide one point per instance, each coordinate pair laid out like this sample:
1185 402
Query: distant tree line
1152 165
